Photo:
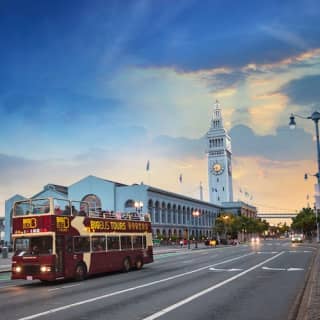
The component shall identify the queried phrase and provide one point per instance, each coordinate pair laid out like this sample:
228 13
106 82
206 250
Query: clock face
217 168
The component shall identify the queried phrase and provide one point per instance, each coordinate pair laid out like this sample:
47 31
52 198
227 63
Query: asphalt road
246 282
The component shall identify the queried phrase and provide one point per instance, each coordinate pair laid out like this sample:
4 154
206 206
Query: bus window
69 246
137 242
62 207
98 243
113 243
81 244
22 208
79 208
33 246
144 242
126 243
40 206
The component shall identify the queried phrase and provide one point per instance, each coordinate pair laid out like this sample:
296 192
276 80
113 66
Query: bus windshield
33 246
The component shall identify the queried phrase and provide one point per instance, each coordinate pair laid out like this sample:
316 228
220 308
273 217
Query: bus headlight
17 269
45 268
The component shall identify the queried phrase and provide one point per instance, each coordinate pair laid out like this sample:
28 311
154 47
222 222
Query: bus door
60 255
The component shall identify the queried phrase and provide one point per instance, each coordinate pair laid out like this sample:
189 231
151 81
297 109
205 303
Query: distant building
239 208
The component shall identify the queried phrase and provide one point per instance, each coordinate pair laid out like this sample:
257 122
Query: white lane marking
313 248
228 270
267 252
276 269
37 315
295 269
201 293
64 287
283 269
299 251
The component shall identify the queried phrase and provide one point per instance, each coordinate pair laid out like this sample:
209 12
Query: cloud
281 33
304 91
285 145
180 148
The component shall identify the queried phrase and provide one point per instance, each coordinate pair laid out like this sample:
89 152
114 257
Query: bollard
4 252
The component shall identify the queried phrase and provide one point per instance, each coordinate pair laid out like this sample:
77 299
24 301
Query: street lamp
196 214
315 117
138 205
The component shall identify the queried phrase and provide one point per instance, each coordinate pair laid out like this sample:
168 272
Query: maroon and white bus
60 239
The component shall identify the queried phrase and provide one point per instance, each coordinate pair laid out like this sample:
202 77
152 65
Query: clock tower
219 160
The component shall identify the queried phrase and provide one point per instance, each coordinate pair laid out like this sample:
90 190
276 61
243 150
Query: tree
229 224
305 221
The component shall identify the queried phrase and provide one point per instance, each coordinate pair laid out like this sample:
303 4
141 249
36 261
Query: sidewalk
5 263
177 248
309 308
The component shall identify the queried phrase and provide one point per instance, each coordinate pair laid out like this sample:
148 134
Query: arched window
129 204
157 212
93 201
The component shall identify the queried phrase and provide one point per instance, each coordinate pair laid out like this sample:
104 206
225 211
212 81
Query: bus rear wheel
139 263
126 265
80 272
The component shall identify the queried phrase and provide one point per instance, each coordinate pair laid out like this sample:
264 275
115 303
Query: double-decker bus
60 239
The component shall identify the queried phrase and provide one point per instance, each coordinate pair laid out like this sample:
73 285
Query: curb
302 301
306 308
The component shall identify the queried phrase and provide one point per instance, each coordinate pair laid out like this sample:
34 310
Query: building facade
219 160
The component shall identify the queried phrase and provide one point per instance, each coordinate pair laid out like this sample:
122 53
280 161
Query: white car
297 238
255 240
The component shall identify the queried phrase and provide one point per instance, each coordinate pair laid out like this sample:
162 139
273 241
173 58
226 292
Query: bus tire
80 272
139 263
126 265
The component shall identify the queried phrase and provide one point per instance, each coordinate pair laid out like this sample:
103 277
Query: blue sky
100 87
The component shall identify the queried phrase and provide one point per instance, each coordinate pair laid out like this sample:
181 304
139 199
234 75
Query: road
259 281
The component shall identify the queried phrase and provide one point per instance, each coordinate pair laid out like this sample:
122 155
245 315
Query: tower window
217 179
222 188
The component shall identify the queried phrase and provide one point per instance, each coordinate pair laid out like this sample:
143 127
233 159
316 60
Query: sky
101 87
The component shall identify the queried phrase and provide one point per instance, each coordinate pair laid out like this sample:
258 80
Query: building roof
56 187
118 184
180 196
237 204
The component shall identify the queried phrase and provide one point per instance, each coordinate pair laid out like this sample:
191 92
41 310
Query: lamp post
225 218
196 214
315 117
188 234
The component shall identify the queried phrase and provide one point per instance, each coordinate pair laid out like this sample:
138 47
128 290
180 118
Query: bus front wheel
126 265
80 272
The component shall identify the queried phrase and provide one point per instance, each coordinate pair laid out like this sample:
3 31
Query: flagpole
148 171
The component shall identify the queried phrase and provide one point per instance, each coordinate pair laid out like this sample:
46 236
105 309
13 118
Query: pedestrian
181 243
